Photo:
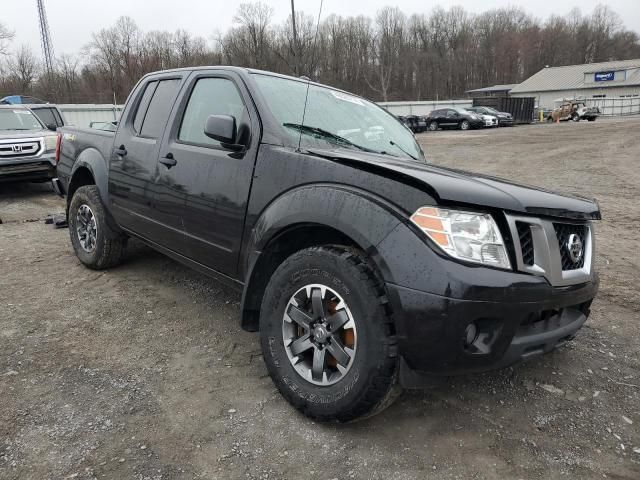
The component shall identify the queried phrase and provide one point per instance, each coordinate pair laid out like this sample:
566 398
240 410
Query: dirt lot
142 372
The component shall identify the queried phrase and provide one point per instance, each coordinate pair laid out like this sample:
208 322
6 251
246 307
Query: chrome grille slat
538 247
20 148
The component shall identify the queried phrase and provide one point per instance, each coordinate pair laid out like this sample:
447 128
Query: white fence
81 115
616 106
422 107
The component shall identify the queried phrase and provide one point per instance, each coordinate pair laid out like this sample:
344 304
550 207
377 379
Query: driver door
203 187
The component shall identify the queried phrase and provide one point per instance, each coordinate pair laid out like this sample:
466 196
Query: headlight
50 142
469 236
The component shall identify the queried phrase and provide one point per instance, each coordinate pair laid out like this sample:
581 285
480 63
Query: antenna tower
45 38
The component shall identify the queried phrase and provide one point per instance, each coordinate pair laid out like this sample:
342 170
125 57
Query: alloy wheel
86 228
319 334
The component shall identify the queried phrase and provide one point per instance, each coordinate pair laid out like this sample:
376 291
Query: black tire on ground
465 125
109 244
575 117
369 385
433 126
591 119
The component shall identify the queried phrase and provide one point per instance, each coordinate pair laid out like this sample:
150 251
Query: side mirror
221 128
52 126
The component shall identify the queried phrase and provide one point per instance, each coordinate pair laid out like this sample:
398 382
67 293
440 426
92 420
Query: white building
614 86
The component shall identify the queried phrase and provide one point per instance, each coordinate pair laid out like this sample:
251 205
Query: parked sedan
505 119
454 117
489 120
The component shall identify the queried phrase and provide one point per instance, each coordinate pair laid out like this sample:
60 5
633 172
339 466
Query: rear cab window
154 107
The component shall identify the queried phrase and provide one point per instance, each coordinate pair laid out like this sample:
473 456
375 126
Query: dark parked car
505 119
454 117
27 147
415 123
360 264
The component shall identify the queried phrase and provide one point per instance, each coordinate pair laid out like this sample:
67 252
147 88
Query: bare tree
23 69
387 49
439 54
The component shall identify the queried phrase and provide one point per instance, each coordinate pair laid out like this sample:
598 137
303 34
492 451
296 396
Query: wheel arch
312 216
90 168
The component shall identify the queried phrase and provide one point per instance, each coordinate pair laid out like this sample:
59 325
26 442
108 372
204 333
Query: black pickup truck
362 266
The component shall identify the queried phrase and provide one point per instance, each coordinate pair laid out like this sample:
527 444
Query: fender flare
92 160
361 216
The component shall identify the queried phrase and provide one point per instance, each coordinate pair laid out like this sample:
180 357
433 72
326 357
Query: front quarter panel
359 215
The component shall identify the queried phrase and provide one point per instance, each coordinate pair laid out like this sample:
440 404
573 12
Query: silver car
27 147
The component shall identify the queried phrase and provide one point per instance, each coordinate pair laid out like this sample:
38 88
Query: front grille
526 242
564 232
19 149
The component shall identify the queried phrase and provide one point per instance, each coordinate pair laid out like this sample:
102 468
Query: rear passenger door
133 165
206 189
452 118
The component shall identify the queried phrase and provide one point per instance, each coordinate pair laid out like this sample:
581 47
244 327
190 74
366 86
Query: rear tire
575 117
95 243
341 283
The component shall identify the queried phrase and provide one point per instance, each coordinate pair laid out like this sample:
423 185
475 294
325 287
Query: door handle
168 160
121 151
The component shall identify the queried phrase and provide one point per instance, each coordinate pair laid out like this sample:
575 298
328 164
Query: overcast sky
72 21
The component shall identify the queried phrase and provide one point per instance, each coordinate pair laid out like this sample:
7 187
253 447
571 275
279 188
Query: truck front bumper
447 336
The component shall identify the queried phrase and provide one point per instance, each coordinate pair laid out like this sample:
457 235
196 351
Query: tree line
390 56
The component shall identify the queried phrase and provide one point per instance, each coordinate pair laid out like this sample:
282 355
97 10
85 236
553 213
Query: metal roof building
491 91
616 79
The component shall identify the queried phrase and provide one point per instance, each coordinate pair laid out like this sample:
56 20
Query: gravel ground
142 372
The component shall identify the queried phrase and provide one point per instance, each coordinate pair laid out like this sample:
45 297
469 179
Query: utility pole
296 68
45 39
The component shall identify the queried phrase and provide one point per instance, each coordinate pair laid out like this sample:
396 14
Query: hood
13 134
451 186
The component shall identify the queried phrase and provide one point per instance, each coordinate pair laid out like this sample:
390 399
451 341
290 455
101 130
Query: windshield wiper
326 134
391 142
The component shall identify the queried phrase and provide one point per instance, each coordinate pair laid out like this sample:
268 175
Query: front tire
95 243
327 335
433 126
575 117
465 125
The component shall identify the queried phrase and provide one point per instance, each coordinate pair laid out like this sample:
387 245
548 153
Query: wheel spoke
317 369
301 345
298 316
317 304
338 352
337 320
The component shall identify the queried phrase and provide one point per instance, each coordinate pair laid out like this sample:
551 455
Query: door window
159 108
143 105
48 116
210 96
